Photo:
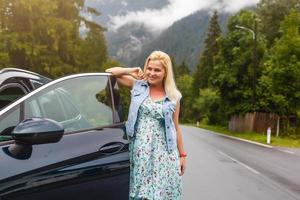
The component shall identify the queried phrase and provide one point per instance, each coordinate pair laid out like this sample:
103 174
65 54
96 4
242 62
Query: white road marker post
269 135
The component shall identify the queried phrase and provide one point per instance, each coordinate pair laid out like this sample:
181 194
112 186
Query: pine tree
205 66
181 70
45 36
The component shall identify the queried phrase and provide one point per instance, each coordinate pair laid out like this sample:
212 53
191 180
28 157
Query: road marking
240 163
249 141
266 178
236 138
286 151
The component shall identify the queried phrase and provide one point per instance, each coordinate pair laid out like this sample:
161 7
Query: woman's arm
179 139
126 76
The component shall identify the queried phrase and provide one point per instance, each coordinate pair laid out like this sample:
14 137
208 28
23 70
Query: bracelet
183 155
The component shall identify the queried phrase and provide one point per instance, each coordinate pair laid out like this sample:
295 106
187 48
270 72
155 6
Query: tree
208 106
206 64
93 53
184 84
181 70
280 84
272 12
233 69
43 36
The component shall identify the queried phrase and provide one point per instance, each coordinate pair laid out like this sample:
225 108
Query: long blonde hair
169 83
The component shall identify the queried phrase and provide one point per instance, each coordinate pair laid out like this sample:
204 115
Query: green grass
261 138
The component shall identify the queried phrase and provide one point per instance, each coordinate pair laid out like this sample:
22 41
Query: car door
91 161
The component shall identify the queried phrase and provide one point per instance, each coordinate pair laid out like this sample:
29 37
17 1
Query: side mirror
33 131
37 131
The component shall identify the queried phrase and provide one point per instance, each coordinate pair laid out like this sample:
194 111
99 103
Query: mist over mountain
111 8
183 41
135 28
126 42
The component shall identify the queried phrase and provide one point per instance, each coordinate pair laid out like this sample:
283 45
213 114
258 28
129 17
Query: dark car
65 140
15 83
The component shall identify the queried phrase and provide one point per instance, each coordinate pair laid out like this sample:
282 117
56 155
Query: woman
157 156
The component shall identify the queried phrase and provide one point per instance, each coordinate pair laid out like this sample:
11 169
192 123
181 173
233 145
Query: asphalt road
222 168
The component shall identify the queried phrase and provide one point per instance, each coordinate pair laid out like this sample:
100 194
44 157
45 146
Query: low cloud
233 6
160 19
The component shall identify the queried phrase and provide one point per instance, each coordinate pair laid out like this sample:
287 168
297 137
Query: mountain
183 41
127 41
132 43
110 8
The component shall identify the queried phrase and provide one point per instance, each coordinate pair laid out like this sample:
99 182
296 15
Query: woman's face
155 72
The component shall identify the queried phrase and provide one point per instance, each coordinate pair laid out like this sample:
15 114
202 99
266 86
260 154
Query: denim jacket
139 93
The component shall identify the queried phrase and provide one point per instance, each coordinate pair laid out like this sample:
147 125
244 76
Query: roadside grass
257 137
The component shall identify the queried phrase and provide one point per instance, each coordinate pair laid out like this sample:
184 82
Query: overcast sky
157 20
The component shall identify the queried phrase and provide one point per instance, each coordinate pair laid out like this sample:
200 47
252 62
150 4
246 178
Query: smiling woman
157 157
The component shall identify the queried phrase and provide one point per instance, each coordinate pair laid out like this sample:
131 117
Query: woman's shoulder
172 105
139 83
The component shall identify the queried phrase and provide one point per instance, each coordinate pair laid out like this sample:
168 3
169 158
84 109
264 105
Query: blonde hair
169 83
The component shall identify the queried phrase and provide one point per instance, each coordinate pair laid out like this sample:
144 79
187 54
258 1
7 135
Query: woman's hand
182 165
137 73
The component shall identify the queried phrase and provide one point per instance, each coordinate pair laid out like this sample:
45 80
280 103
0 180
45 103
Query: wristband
183 155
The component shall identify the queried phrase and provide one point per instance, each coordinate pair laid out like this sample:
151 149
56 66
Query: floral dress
154 172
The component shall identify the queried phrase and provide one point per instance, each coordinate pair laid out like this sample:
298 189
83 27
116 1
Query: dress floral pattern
154 172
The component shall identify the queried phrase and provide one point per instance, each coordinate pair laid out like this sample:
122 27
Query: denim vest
139 93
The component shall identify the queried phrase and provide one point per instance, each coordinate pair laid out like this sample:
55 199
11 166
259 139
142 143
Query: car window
68 106
50 106
77 103
10 94
9 120
35 109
